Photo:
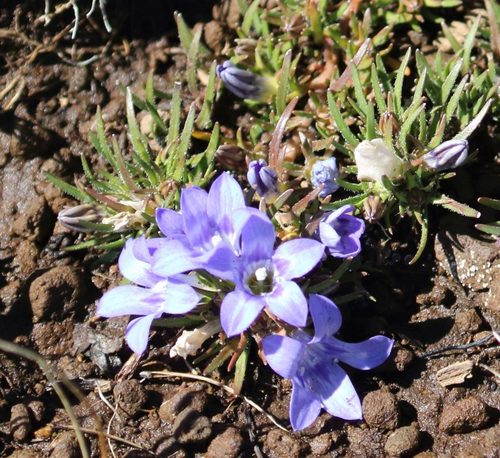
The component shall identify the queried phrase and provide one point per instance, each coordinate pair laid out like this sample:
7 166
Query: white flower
191 341
374 159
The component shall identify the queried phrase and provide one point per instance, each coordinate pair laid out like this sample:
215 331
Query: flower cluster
216 233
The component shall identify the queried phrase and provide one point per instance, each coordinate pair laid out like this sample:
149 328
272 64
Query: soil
421 402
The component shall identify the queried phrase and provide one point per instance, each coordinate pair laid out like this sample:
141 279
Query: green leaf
449 82
249 17
355 200
191 77
203 121
283 84
488 202
424 233
398 84
69 189
339 121
469 41
175 115
455 98
377 90
456 46
491 228
358 89
457 207
186 34
182 149
472 126
134 133
240 370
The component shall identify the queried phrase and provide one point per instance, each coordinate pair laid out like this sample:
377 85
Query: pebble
380 410
20 423
464 416
402 441
192 428
130 396
194 397
468 321
279 444
229 444
37 409
321 445
24 454
65 446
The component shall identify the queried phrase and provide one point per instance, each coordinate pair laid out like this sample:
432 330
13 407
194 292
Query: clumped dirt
440 312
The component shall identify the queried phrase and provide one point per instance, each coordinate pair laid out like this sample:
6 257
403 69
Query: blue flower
340 232
242 83
311 363
150 297
448 155
262 178
262 276
325 173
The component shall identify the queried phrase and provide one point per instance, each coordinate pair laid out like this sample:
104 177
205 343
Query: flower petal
283 354
363 355
304 407
326 317
221 262
126 300
225 196
238 311
174 258
288 303
335 390
347 247
295 258
134 269
169 221
179 298
257 238
137 333
194 212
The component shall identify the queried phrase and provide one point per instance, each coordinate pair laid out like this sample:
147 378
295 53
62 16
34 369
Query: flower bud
325 173
75 217
374 160
447 155
191 341
373 208
242 83
262 178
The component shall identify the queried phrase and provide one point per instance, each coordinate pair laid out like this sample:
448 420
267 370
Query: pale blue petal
126 300
221 262
297 257
137 333
326 317
363 355
180 298
133 269
170 222
238 311
288 303
194 212
173 258
283 354
335 390
225 196
257 238
328 235
304 407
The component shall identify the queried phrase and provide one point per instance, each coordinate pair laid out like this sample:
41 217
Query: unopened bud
373 208
242 83
388 118
325 173
262 178
374 160
447 155
75 217
191 341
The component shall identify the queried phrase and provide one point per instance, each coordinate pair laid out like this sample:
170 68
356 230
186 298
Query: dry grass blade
202 378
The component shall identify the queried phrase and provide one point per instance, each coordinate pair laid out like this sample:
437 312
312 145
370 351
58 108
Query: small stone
228 444
402 441
20 424
192 428
279 444
194 397
24 454
464 416
380 410
426 454
321 445
468 321
65 446
403 359
130 396
37 409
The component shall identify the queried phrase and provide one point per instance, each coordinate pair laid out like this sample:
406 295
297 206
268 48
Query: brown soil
47 296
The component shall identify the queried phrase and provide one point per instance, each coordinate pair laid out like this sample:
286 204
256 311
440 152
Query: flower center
260 280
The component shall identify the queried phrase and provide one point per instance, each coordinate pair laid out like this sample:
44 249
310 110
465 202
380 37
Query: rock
380 410
464 416
20 423
426 454
24 454
402 441
194 397
214 36
56 292
53 339
192 428
279 444
228 444
65 446
468 321
130 396
37 409
321 445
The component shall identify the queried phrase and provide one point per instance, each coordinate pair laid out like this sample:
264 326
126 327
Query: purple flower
262 178
340 232
203 233
262 276
151 297
242 83
325 173
311 363
447 155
